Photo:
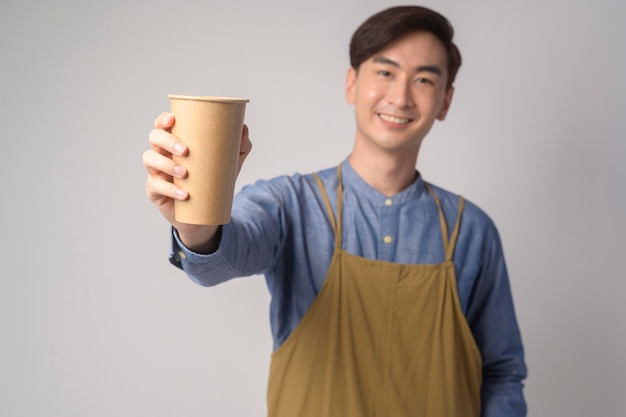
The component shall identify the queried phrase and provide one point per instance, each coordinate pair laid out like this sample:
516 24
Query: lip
394 120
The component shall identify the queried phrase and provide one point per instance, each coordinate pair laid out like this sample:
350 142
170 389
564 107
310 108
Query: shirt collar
353 181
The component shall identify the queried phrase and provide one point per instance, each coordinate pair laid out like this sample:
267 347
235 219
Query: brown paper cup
211 128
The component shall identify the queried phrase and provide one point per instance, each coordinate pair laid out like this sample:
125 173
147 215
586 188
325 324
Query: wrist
203 240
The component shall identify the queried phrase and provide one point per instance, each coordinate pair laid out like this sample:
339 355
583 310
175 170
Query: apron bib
380 339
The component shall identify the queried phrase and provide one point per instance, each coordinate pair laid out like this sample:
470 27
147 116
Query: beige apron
380 339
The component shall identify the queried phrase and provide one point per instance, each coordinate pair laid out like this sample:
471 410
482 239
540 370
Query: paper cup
211 128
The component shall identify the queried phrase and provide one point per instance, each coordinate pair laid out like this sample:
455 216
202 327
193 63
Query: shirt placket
388 232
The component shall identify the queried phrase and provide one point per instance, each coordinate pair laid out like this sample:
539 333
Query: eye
422 80
384 73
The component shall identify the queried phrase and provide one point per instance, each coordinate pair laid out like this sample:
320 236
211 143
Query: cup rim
209 98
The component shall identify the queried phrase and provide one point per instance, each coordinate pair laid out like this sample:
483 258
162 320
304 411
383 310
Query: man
390 296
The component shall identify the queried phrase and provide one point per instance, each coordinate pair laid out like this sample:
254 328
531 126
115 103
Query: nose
400 94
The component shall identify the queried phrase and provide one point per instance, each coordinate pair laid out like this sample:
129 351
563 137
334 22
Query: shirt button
182 255
388 202
387 239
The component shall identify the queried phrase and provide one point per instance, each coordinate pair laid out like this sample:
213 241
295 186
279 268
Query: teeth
392 119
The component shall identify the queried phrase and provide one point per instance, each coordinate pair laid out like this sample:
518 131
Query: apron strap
448 244
339 232
329 208
336 224
455 232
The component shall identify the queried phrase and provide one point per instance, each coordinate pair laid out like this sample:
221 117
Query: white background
94 320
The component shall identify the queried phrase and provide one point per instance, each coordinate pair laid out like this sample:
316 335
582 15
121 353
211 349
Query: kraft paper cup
211 128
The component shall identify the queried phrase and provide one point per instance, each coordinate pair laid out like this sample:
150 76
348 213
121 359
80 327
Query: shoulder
474 219
479 243
287 188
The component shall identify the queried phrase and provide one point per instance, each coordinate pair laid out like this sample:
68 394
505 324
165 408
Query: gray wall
94 320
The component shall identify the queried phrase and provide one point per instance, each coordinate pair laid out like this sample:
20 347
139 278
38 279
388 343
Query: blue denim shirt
280 228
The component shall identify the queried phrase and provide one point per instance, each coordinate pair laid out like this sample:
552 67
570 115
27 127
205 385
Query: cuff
180 254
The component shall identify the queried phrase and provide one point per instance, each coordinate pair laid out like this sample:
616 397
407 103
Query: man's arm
491 316
248 245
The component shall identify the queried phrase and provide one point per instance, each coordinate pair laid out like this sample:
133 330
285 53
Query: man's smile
393 119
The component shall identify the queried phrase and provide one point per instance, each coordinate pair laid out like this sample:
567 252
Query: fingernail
179 148
181 194
179 171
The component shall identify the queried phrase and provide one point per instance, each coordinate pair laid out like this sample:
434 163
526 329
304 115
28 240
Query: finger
165 121
156 163
166 144
245 146
158 190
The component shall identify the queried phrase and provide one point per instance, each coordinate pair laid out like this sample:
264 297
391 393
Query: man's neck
388 173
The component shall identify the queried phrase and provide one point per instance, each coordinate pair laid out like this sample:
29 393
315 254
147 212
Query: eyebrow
424 68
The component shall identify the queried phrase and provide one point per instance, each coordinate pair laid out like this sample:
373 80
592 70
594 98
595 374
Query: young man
390 296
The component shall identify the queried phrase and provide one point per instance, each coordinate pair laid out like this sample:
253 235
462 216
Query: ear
447 100
351 85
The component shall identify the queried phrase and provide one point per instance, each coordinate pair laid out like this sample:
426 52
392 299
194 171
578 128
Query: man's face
399 93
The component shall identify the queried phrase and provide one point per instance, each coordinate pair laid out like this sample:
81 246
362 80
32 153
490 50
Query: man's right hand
160 187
